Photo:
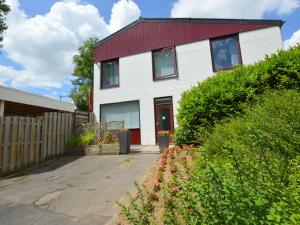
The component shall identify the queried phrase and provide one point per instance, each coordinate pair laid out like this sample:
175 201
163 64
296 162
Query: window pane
164 63
110 73
125 111
225 53
164 119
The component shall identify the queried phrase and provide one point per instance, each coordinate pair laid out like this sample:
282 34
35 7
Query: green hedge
248 170
229 93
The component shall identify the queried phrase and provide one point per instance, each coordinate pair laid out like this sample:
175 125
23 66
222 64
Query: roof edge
272 22
19 96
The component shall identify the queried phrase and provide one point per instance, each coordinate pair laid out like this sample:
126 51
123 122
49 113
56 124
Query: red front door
164 118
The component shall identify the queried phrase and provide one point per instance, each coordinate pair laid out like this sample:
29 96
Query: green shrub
82 139
228 93
88 138
74 140
248 170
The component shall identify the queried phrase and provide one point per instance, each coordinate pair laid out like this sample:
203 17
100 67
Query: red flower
162 168
174 189
173 169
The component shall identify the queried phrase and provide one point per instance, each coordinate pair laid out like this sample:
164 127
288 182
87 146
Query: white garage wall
194 65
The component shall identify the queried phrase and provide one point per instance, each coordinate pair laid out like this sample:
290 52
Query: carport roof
18 96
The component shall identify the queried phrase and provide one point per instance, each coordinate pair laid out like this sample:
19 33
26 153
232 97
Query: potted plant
109 146
88 141
124 140
83 144
163 138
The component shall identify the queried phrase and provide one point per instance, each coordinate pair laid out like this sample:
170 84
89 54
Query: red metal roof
148 34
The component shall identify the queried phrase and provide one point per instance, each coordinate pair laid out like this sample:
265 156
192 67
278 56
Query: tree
84 73
4 9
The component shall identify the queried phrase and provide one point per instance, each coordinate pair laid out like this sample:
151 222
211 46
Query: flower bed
151 203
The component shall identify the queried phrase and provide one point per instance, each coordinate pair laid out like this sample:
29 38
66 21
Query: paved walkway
72 190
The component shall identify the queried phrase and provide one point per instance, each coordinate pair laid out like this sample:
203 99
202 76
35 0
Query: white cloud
122 12
293 40
45 44
231 8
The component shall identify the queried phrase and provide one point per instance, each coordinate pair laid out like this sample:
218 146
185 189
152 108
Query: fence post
13 142
7 133
26 141
50 126
59 131
20 148
45 136
63 128
32 141
1 141
38 142
54 136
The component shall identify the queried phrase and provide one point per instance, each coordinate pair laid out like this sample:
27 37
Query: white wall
194 65
256 44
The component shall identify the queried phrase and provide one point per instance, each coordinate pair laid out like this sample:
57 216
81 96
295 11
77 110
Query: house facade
141 71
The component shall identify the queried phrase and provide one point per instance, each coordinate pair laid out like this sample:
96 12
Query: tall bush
248 170
228 93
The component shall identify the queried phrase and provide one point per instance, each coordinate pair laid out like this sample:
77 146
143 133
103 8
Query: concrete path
72 190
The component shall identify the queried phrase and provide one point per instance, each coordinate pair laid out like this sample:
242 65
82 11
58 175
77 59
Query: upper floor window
110 73
225 52
164 63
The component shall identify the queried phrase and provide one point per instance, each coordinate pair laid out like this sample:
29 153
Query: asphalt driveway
72 190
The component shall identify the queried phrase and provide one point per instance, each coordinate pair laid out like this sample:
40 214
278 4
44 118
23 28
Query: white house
141 70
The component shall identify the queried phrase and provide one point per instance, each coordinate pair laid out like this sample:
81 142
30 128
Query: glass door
164 118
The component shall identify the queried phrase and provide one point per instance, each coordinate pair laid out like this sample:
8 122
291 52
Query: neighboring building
14 102
141 71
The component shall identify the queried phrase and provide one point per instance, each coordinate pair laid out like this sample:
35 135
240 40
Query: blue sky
44 35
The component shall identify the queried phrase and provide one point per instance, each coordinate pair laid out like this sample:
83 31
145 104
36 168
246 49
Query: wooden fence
83 117
26 141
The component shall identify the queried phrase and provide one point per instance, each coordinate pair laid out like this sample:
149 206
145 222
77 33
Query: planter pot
125 141
92 150
110 149
163 142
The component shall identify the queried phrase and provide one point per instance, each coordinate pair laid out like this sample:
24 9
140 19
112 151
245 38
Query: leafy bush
248 170
140 209
88 138
228 93
74 140
85 139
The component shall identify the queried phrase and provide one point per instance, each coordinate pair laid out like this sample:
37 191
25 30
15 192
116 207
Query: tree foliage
4 9
83 73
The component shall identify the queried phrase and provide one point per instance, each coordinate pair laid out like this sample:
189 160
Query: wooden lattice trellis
105 132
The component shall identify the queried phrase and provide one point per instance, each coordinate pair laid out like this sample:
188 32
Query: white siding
255 45
194 65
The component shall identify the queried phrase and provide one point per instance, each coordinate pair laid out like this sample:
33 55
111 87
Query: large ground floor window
129 112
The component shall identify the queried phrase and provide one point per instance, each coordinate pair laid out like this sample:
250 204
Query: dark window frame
211 40
175 74
101 75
